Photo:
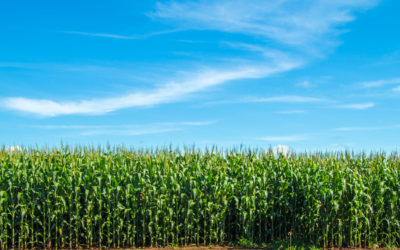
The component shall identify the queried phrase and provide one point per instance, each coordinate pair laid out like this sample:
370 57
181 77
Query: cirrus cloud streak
170 92
293 29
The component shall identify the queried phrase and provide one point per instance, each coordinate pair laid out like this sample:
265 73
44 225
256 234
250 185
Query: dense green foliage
122 198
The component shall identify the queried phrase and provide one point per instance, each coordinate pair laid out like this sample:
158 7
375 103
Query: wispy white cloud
368 128
296 23
273 99
123 37
289 112
358 106
281 150
355 128
127 126
288 99
302 28
267 52
128 129
379 83
167 93
284 138
129 132
205 123
106 35
304 84
396 89
338 147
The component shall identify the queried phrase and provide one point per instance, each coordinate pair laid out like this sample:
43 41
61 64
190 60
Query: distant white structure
14 149
281 149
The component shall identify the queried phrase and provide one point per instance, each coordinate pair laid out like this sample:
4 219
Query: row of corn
119 198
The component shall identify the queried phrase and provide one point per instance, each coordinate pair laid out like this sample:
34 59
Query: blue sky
314 75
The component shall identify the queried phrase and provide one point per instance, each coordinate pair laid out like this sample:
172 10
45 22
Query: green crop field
93 197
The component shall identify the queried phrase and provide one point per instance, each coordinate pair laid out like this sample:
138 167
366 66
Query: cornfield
116 197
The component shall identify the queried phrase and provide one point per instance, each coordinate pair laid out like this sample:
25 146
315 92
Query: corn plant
119 198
